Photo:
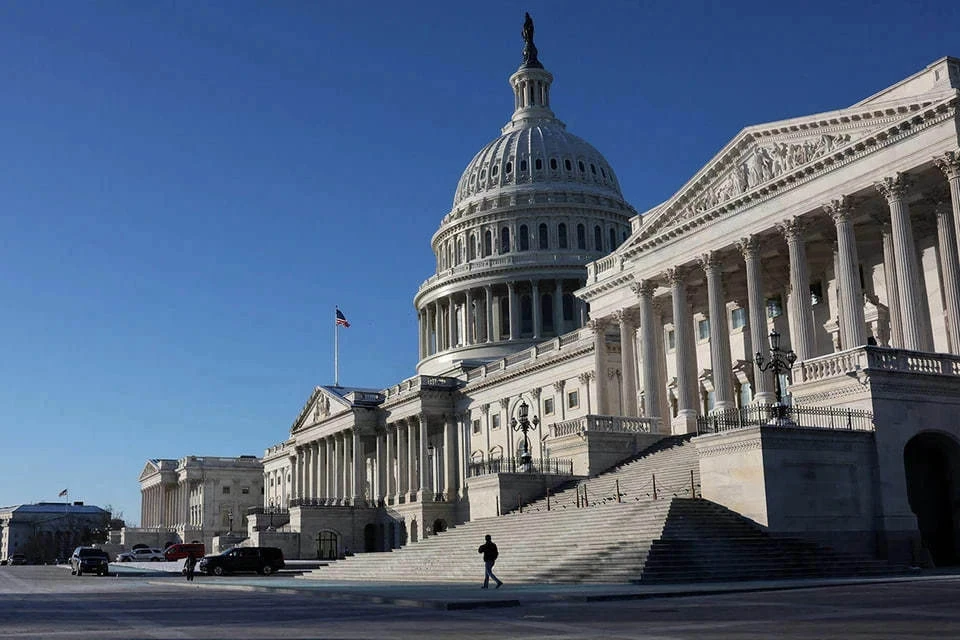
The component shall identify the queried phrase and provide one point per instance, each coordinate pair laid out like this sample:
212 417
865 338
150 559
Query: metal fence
553 466
786 416
277 511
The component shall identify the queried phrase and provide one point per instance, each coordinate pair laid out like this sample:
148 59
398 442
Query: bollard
693 490
548 499
498 505
654 486
618 489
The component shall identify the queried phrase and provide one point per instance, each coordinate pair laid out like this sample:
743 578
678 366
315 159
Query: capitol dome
531 209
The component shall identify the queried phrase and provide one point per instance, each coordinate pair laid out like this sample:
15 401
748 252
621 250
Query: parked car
141 555
263 560
17 558
91 560
183 549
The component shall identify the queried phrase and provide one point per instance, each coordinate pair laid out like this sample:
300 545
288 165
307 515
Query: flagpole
336 350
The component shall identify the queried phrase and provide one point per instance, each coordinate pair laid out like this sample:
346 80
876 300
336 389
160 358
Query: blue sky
188 188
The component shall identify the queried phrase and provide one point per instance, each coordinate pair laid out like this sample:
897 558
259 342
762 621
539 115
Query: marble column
450 456
425 491
335 455
535 309
359 479
452 321
558 307
628 361
294 475
648 346
949 164
402 473
686 419
913 306
599 328
468 322
890 279
411 460
437 335
802 337
763 385
512 310
853 332
488 293
950 271
720 361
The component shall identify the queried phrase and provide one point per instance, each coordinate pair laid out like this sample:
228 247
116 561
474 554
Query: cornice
528 367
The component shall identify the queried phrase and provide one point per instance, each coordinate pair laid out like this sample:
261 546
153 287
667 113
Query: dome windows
483 174
538 164
581 237
593 168
583 168
494 171
562 235
597 238
523 166
505 240
524 239
553 164
508 168
568 165
544 242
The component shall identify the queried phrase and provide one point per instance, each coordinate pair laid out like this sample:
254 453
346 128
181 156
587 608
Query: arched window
505 240
598 238
487 243
538 164
581 237
613 238
524 239
553 163
568 165
562 235
583 169
473 248
568 307
459 257
523 166
544 238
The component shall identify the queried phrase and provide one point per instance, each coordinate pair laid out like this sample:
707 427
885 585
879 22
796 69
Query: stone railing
853 361
606 424
416 383
554 345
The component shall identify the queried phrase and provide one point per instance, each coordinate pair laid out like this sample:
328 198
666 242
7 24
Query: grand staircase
588 535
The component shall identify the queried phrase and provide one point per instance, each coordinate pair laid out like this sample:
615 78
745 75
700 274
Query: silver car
141 555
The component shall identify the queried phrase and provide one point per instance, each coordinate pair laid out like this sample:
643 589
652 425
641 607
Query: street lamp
230 518
778 361
524 425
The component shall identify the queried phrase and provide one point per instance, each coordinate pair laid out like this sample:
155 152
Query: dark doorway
932 465
439 526
370 538
327 546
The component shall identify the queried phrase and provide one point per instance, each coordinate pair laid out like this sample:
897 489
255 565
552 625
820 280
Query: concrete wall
507 491
594 452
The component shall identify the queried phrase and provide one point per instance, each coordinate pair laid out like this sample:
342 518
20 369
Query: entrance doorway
932 465
327 546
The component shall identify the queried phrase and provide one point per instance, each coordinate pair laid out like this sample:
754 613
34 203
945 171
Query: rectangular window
703 329
671 339
774 307
495 421
548 406
573 399
476 426
738 318
226 491
245 491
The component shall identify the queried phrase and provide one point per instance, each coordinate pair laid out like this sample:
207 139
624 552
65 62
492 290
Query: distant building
46 531
195 498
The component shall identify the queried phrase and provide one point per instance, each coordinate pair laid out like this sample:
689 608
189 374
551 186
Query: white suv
141 555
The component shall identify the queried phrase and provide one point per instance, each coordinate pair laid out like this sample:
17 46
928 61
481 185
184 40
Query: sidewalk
461 596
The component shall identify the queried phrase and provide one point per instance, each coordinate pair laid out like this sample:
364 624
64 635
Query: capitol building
794 308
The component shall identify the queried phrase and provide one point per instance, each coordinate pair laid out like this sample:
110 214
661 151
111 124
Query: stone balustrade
876 358
607 424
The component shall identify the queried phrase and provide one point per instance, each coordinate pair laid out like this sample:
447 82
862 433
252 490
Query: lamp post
778 361
524 424
230 518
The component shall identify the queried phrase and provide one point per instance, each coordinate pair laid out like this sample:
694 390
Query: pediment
149 469
769 158
322 404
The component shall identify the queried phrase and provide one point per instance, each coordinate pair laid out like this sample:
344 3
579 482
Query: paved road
47 602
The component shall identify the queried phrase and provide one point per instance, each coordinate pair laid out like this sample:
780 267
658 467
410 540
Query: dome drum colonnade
531 209
885 204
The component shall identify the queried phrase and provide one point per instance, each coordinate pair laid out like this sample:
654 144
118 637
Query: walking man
490 553
188 566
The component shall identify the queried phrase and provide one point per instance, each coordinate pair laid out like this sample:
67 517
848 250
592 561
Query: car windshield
86 553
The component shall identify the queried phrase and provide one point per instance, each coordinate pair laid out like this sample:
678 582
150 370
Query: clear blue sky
187 188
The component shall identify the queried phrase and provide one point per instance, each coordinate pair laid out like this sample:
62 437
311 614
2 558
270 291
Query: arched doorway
370 538
439 525
327 544
932 465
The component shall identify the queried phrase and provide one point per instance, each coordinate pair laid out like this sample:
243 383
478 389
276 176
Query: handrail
547 466
837 418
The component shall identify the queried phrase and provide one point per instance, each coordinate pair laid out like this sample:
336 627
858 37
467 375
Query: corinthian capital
709 261
675 275
949 164
893 188
644 288
792 228
839 209
585 377
597 325
749 247
559 385
624 317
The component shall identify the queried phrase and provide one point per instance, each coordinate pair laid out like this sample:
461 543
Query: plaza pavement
449 596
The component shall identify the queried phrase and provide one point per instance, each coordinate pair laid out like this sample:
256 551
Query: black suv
91 560
263 560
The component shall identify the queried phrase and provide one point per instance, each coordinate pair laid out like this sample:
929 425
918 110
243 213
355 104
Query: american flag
341 319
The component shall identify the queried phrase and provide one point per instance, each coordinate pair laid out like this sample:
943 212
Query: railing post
519 503
693 491
654 486
548 498
498 505
586 502
578 496
618 489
